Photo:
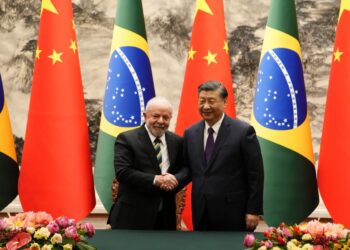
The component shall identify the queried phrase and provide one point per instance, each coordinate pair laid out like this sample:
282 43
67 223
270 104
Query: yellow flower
306 237
292 246
307 247
56 239
46 247
276 248
42 233
67 247
34 246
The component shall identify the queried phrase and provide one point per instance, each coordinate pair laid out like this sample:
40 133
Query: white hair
158 100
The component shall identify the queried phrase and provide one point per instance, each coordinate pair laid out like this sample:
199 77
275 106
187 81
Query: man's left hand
251 221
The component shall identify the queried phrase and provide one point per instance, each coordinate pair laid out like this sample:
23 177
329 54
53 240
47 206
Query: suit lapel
199 133
220 139
147 147
171 150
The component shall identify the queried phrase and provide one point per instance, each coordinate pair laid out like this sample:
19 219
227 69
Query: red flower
281 240
267 235
18 241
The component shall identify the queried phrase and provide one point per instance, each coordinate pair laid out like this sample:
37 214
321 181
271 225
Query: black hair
212 86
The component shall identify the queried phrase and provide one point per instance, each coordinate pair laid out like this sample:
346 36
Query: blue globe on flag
280 98
129 87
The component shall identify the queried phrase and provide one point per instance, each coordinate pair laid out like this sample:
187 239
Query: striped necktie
156 145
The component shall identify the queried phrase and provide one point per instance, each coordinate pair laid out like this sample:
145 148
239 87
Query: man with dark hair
145 160
223 159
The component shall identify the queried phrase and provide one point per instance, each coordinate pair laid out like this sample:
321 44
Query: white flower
30 230
56 238
291 246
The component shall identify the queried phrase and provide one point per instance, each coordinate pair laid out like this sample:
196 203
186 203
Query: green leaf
84 246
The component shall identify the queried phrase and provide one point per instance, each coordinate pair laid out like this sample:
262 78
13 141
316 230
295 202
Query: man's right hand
166 182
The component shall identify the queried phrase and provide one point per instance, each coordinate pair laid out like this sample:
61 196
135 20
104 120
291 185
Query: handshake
166 182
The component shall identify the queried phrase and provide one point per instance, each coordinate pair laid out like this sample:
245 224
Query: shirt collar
216 126
152 137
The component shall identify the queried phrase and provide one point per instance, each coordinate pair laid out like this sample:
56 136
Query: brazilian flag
128 89
282 123
8 161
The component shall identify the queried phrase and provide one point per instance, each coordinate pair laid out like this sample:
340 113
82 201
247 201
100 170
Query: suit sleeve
255 171
184 174
125 172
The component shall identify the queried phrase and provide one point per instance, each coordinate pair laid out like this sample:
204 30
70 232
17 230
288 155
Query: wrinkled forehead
159 109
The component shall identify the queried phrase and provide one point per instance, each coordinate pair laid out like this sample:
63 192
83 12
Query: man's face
211 106
157 119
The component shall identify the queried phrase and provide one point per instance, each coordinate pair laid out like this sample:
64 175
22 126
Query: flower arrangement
39 231
313 235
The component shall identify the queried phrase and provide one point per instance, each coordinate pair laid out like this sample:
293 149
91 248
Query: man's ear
225 102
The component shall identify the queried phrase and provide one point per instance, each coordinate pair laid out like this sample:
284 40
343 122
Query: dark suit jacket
231 184
136 165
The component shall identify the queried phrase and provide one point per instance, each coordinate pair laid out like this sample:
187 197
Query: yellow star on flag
225 47
210 58
56 57
337 55
203 6
191 54
48 5
73 46
37 53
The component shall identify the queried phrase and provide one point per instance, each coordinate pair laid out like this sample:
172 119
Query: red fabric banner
56 172
333 167
208 59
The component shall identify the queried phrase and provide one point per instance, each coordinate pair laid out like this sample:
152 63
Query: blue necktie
209 147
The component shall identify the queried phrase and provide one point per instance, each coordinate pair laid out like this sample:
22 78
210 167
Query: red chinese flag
333 167
208 59
56 172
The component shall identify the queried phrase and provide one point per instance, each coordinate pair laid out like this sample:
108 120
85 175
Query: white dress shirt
164 166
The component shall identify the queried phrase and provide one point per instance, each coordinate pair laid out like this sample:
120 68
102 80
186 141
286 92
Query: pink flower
18 241
88 228
53 227
43 218
286 232
63 221
335 231
71 232
72 222
268 244
315 228
318 247
249 240
3 224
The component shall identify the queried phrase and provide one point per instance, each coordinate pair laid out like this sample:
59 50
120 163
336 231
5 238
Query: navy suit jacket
136 165
231 184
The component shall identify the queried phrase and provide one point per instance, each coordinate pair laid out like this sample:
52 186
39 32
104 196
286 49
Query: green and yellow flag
8 161
128 89
282 123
